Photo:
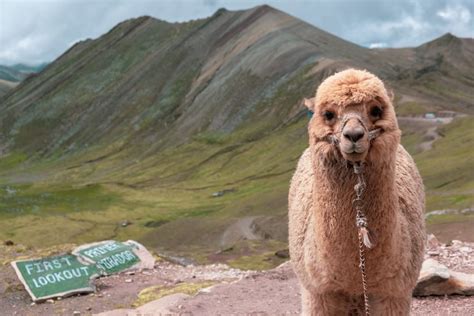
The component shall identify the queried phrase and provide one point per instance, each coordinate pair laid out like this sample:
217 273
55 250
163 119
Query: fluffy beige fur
322 233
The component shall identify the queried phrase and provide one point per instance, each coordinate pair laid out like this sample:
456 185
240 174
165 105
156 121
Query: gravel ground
273 292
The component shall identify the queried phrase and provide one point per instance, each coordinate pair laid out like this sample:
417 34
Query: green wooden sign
55 276
109 256
72 273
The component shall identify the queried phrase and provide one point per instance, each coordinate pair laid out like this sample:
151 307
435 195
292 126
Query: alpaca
323 237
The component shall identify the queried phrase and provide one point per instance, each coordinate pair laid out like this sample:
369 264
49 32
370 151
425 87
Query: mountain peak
265 8
445 40
448 38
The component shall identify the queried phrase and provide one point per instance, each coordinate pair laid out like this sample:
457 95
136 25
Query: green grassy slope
170 204
447 169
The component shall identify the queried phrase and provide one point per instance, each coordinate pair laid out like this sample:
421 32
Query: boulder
284 253
432 242
437 279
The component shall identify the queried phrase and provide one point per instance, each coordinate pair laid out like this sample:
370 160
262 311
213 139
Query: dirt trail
429 138
242 229
430 127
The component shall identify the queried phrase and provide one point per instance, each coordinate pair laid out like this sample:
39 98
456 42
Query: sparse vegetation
412 109
156 292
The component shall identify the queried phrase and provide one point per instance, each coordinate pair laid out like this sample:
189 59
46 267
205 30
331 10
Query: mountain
161 83
11 75
6 85
29 68
190 131
19 72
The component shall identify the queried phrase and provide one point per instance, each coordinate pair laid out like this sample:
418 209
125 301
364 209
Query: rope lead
363 231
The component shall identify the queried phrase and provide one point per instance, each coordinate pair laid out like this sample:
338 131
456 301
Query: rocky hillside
185 135
159 83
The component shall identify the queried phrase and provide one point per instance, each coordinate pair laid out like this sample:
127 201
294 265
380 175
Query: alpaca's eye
376 112
328 115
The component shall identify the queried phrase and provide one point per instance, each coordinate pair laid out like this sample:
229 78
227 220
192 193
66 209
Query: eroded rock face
437 279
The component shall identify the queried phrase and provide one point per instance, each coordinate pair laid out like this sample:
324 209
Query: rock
50 301
217 194
146 258
125 223
284 253
221 193
76 313
8 243
228 249
432 241
437 279
128 281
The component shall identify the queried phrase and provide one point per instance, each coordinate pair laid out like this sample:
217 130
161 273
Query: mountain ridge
264 22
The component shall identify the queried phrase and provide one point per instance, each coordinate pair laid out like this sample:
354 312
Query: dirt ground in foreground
272 292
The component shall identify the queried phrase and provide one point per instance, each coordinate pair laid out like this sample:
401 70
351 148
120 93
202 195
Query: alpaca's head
347 107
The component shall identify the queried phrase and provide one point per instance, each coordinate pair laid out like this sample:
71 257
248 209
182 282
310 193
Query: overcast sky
34 31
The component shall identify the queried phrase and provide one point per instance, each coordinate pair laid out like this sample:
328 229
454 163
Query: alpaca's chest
332 261
338 269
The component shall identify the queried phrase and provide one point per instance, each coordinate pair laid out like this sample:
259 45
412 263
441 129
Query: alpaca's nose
353 134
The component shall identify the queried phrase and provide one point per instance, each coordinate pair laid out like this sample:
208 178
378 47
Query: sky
35 31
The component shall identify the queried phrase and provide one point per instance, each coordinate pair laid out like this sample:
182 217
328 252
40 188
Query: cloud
377 45
34 31
457 13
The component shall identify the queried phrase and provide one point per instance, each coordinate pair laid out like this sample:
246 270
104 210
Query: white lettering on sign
55 277
43 266
117 259
101 250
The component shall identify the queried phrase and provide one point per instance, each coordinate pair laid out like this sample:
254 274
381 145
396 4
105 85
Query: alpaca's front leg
308 303
327 304
390 306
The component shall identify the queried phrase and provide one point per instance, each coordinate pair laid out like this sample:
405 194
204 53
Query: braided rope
364 275
363 233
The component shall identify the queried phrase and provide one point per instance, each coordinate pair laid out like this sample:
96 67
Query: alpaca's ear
391 95
309 103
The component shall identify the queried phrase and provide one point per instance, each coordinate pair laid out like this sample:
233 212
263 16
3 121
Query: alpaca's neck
335 212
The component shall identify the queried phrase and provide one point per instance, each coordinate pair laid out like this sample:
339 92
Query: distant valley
10 76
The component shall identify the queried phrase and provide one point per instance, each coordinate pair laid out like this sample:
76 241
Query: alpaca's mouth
354 148
354 156
354 151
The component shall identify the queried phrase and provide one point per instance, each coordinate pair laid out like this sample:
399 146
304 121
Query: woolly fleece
322 233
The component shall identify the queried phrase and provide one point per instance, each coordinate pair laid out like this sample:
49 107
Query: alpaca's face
350 109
